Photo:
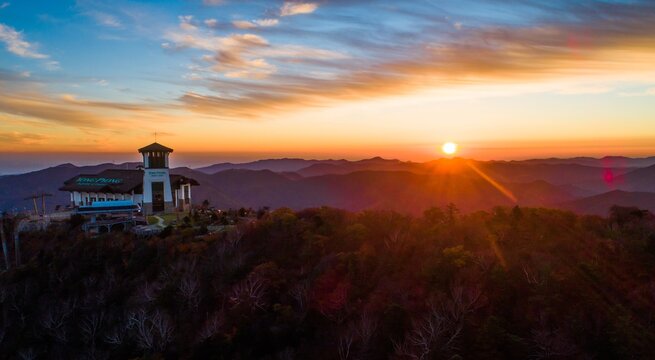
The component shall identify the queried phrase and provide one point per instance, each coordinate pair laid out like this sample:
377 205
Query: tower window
157 160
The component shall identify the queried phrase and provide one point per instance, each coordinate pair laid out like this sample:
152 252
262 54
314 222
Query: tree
4 242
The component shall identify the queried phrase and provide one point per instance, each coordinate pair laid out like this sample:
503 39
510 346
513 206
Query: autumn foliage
512 283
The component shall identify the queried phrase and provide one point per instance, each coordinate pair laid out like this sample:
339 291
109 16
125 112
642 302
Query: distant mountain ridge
381 183
277 165
323 167
14 188
599 204
607 161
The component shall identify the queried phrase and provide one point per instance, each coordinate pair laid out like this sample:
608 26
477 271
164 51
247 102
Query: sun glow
449 148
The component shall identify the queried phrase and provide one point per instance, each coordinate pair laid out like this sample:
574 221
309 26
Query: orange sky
513 82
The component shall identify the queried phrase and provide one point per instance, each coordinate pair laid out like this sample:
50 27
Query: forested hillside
512 283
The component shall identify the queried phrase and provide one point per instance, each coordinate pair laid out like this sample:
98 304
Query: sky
225 80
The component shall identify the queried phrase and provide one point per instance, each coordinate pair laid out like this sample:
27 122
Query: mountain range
584 185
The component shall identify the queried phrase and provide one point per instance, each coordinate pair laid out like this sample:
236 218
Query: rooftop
155 147
117 181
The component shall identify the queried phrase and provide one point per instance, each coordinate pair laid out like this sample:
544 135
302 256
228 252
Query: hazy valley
585 185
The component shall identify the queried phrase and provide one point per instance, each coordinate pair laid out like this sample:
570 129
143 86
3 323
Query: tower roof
155 147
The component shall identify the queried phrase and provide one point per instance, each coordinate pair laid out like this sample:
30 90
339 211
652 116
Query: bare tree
396 237
300 295
366 326
463 300
4 242
153 331
484 262
143 327
346 341
55 318
531 276
90 325
27 354
89 281
249 292
164 328
147 292
430 337
14 303
190 290
234 237
115 336
212 326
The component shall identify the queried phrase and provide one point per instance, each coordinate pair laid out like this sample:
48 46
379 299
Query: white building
153 187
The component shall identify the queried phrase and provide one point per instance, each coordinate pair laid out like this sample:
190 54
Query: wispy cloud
585 89
52 65
609 39
267 22
68 110
21 138
290 8
187 23
213 2
16 43
246 24
238 55
243 24
4 5
105 19
212 23
647 92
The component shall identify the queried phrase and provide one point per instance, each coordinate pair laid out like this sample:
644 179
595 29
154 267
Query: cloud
15 79
186 23
235 59
105 19
48 109
242 24
585 89
213 2
15 137
238 55
267 22
68 110
17 45
296 8
611 39
192 76
647 92
213 43
212 23
52 65
4 5
245 24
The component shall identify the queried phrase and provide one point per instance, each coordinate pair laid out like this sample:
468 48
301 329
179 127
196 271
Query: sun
449 148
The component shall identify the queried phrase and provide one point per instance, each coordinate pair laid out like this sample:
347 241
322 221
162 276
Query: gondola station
152 189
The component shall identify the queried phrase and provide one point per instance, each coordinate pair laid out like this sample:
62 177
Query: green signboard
98 181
